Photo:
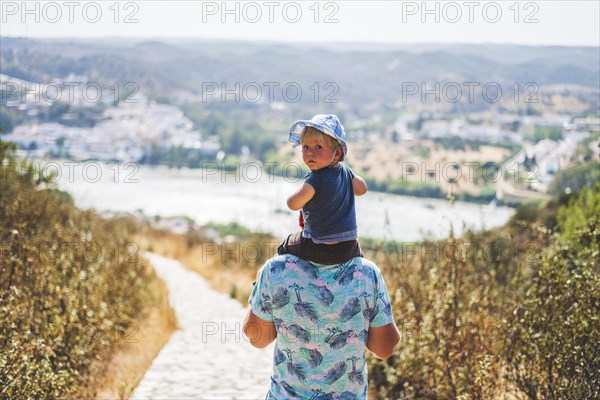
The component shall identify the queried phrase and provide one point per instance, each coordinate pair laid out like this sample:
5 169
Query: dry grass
118 377
223 272
235 280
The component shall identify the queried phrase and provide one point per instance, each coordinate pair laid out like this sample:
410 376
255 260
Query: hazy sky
551 22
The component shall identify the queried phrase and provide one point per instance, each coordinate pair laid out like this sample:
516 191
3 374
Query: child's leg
306 249
337 253
298 245
293 244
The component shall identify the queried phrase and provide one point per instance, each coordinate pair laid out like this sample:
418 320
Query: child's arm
383 339
297 200
260 332
360 186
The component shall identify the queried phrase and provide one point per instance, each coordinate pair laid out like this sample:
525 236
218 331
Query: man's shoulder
277 259
365 264
279 262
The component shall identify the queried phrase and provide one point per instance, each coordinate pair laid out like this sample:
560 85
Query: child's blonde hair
323 139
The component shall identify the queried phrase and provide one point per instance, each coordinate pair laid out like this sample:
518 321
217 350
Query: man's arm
297 200
360 186
383 339
260 332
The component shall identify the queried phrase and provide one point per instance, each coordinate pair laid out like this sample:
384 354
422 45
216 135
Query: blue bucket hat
329 124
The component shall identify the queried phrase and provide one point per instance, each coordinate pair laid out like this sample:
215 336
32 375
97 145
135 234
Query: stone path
208 357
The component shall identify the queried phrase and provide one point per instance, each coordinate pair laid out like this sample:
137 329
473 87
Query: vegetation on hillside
512 311
72 286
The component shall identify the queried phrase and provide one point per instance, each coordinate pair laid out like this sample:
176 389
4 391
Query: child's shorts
306 249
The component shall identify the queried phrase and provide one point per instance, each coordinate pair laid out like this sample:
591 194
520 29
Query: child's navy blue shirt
330 215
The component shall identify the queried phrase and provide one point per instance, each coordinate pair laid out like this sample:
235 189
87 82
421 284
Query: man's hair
323 138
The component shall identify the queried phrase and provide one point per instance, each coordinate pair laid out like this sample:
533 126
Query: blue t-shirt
322 315
330 215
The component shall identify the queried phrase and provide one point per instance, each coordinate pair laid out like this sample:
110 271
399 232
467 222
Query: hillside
364 74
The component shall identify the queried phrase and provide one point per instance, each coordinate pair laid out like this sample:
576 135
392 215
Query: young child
327 196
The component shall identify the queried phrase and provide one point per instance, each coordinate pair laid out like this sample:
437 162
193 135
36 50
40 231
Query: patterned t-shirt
322 315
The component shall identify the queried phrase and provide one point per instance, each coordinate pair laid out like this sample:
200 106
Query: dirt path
208 357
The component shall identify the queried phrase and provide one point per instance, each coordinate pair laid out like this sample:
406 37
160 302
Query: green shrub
553 327
575 178
71 284
547 132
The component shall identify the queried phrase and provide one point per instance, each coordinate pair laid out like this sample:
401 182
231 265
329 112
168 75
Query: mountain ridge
366 75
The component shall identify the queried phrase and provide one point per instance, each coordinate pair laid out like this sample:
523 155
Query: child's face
316 154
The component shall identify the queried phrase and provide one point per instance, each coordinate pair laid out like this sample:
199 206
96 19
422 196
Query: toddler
326 199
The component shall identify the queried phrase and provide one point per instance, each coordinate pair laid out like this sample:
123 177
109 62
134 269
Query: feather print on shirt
279 357
288 388
295 369
335 373
322 293
345 273
303 308
315 358
299 333
309 269
350 309
337 338
281 297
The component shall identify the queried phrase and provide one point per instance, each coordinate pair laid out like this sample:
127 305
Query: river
258 200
